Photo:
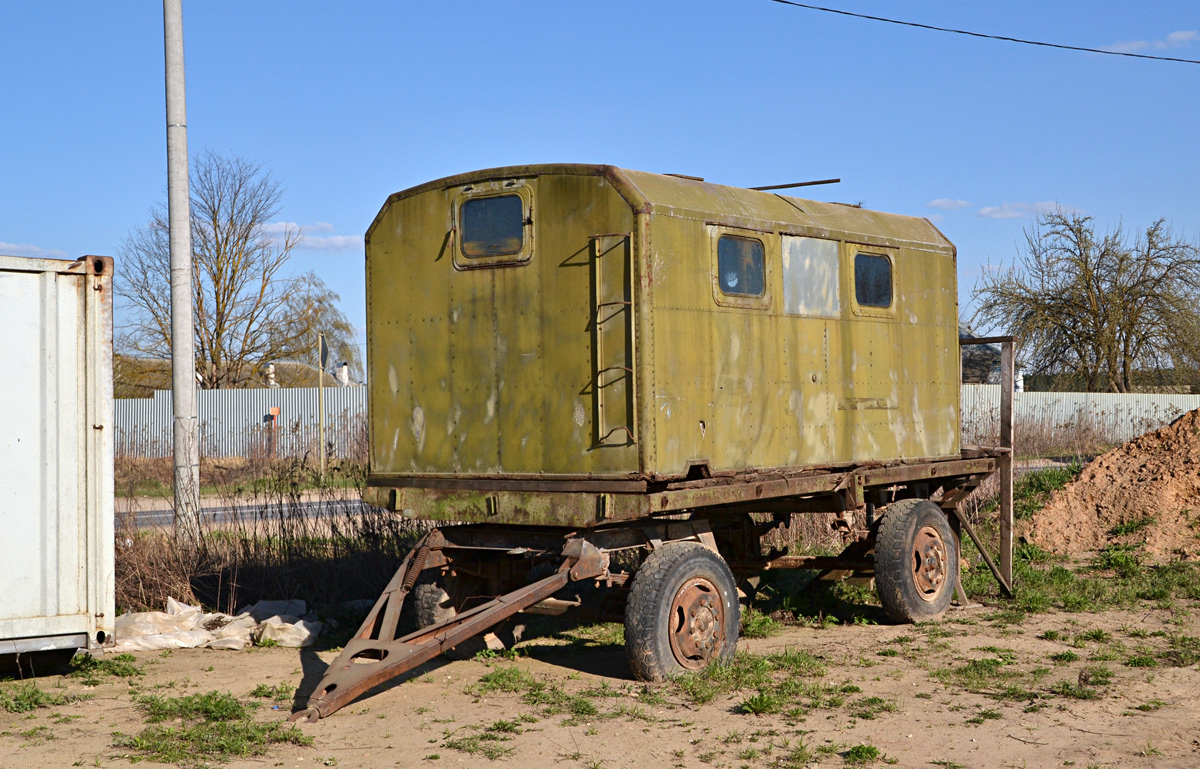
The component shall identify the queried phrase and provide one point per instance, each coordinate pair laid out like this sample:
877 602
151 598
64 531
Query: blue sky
346 103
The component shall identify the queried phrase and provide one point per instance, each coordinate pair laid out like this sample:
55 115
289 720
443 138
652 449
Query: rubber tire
894 580
433 603
648 607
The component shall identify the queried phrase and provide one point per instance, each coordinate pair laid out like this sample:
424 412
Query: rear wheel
916 561
682 612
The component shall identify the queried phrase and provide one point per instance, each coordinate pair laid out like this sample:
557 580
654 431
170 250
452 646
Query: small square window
493 226
740 266
872 280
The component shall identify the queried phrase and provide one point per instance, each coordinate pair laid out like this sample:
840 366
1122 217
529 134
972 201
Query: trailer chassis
520 568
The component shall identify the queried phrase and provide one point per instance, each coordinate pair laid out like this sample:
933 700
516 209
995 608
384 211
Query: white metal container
56 454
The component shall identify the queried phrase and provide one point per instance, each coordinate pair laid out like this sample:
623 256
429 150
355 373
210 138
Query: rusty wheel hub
929 563
697 623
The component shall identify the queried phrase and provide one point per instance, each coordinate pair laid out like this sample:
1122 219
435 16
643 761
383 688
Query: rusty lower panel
376 654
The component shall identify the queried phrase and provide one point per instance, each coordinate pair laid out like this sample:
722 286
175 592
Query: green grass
755 624
1184 651
761 703
749 671
503 679
1063 658
219 740
279 692
984 715
1074 691
1131 527
1032 491
213 725
1119 580
486 741
1141 661
862 754
869 708
210 706
90 668
26 697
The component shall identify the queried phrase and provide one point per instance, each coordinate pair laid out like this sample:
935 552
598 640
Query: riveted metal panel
56 473
510 369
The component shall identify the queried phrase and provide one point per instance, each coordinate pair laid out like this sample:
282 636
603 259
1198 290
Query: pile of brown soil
1155 477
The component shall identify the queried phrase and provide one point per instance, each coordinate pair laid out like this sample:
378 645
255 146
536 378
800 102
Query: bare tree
248 311
1098 310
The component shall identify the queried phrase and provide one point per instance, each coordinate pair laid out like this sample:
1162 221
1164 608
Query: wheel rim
697 623
930 564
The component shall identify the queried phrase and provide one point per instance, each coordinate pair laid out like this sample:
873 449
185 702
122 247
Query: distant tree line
1099 312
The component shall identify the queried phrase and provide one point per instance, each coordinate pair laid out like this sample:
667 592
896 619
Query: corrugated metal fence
1110 417
238 422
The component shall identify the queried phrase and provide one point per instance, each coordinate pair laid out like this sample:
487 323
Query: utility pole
183 346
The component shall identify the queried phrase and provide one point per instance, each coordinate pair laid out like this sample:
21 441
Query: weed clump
212 726
26 697
90 668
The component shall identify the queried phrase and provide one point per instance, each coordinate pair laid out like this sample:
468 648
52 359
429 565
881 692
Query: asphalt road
152 512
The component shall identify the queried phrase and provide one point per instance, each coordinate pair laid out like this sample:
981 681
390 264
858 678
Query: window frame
493 190
879 252
764 239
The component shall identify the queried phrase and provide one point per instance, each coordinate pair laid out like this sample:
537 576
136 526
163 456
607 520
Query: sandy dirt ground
904 690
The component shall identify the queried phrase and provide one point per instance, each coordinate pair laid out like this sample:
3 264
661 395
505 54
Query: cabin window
872 280
493 226
810 277
740 266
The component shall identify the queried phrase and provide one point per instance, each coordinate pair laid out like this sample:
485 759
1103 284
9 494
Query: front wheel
916 561
682 612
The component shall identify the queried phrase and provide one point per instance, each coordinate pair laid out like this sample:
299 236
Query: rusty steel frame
376 655
570 503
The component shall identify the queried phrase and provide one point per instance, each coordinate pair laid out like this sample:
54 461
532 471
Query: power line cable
984 35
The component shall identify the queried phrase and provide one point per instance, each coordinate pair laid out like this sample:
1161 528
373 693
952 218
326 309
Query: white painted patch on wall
393 380
810 277
491 408
580 414
418 427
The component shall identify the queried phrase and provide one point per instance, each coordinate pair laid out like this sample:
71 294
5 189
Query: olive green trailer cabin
593 328
579 362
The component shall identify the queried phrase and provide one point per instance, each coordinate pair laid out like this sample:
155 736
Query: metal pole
183 347
1006 459
321 355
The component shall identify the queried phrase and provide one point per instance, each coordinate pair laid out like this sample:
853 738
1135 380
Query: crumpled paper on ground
187 627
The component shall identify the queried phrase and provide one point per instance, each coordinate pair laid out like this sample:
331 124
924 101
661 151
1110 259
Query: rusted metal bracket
1004 584
376 655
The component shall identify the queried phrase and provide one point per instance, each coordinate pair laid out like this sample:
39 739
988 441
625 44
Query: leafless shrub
277 537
